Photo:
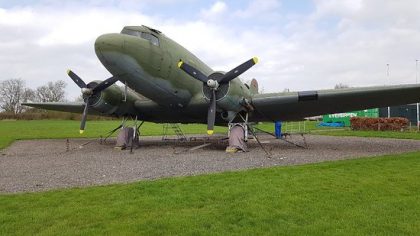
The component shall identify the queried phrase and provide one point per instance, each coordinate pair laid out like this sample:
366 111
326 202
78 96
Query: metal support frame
125 91
134 135
244 125
417 104
135 127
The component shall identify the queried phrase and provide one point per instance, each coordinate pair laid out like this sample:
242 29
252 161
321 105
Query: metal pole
417 73
389 82
418 124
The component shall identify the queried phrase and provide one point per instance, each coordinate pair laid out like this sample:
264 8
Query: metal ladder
177 130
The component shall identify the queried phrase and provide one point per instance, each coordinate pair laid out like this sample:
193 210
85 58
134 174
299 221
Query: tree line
14 92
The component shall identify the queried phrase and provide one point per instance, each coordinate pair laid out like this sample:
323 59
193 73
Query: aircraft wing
298 105
75 107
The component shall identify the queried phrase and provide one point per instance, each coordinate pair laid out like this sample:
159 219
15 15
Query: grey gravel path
39 165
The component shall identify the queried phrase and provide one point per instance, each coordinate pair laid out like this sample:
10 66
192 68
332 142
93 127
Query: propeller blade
105 84
76 79
238 70
192 71
84 117
211 114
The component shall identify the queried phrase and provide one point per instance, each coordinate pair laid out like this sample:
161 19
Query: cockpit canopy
143 32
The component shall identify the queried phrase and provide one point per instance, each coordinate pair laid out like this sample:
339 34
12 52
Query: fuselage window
149 37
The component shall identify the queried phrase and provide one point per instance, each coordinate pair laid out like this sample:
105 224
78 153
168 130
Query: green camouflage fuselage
150 69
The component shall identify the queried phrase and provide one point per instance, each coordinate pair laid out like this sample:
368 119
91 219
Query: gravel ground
39 165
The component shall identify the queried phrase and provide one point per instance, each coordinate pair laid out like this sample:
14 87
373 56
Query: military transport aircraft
165 83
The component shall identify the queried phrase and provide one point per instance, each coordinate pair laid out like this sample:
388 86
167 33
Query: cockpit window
153 39
131 32
150 37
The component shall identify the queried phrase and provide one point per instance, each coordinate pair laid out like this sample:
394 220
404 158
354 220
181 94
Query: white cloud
259 8
216 10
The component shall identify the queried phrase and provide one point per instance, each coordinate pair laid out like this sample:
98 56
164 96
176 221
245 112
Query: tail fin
253 87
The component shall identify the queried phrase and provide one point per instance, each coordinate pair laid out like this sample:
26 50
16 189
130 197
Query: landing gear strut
128 135
237 141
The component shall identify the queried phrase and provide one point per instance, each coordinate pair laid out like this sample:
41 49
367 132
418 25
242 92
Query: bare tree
12 93
341 86
52 92
79 98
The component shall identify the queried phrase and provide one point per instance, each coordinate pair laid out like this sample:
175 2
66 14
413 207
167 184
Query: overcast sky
301 45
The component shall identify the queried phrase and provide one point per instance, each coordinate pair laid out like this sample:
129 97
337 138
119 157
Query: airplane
165 83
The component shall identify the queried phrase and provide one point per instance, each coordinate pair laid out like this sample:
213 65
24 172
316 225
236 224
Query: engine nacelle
230 95
112 101
107 101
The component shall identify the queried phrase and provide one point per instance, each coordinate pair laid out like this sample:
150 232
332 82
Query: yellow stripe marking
180 64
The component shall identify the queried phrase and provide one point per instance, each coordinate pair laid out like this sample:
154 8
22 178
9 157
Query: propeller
89 93
213 81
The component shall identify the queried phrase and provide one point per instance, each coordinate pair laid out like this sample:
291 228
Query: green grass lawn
380 134
11 130
370 196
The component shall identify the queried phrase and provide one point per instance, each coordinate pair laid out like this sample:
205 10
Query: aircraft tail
253 87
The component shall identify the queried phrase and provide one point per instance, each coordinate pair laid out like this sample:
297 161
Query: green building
345 117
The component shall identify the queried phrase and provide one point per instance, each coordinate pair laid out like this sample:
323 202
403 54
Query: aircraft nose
109 49
109 42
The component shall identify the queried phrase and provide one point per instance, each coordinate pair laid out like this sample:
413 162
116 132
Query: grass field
379 134
11 130
372 196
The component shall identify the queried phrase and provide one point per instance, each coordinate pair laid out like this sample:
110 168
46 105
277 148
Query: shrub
380 124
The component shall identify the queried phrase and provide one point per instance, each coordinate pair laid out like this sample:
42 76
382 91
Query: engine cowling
108 100
230 95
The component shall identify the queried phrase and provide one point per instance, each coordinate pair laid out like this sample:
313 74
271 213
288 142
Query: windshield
150 37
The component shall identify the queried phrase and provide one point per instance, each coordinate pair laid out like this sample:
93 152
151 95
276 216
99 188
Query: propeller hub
212 84
87 91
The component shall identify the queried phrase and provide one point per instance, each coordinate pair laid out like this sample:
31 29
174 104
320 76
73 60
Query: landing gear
238 136
128 137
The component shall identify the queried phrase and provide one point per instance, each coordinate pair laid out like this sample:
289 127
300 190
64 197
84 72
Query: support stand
246 127
285 140
259 143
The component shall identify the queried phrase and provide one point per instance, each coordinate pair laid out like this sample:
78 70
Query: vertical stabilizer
253 87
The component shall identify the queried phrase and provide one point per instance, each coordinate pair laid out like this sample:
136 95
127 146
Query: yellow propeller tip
210 132
68 71
81 131
180 64
255 59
